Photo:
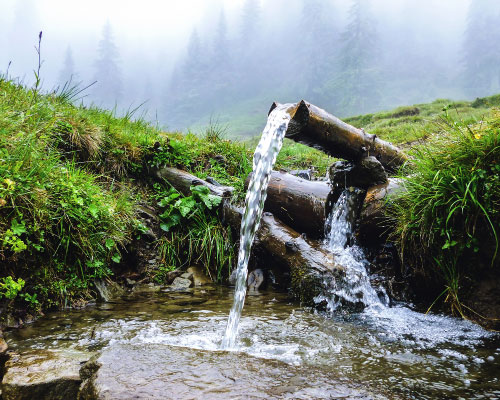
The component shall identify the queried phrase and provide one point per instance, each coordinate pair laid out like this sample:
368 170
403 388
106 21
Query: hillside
73 181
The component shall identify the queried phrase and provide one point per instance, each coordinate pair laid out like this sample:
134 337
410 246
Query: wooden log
297 202
315 127
182 181
373 225
313 270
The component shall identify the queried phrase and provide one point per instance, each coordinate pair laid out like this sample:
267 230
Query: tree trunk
315 127
297 202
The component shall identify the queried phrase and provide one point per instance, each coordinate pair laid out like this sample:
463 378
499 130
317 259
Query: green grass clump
447 221
61 225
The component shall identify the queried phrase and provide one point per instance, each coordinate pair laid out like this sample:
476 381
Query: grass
447 222
71 179
410 125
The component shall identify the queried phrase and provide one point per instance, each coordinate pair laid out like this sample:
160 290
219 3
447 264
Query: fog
192 62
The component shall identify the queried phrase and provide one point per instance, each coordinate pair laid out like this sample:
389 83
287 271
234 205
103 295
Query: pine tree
482 48
108 88
356 80
221 63
317 49
67 73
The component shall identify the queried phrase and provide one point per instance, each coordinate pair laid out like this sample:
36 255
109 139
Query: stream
169 342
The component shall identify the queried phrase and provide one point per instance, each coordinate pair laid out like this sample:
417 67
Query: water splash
339 240
263 161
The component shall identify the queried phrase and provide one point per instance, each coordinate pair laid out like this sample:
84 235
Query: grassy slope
67 193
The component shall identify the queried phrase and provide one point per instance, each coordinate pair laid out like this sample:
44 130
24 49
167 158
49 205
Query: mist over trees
237 57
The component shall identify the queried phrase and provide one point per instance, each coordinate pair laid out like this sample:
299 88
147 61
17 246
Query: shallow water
391 351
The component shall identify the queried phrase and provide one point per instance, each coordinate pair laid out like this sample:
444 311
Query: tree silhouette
482 48
356 80
67 73
108 88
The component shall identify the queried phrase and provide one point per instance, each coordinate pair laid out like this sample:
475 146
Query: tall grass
447 221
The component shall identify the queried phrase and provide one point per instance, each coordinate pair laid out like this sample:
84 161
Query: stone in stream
255 279
199 277
171 372
180 283
43 375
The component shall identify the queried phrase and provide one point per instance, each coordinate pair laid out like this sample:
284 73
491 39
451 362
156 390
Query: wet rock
199 277
363 174
171 275
108 290
232 277
187 275
43 374
181 284
169 372
307 174
255 279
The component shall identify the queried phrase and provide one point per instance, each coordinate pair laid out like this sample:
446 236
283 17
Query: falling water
356 288
263 161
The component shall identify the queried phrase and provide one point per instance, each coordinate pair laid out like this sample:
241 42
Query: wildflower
2 202
477 136
10 183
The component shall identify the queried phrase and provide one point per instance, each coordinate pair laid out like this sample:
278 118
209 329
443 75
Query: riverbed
167 345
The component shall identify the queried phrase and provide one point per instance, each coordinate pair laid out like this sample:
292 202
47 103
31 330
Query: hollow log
182 181
312 269
297 202
317 128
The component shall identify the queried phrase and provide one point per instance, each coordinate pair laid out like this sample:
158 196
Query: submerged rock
43 375
165 372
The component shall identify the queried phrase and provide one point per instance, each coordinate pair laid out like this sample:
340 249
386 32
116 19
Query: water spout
264 158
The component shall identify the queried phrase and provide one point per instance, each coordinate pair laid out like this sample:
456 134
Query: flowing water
263 161
167 345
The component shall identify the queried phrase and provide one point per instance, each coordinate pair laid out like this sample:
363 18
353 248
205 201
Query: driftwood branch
315 127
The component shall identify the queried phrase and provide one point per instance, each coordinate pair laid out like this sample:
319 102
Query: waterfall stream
339 240
263 162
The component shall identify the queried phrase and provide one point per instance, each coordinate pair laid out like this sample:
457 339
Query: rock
181 284
107 290
362 174
171 275
255 279
3 345
43 374
232 277
156 371
307 174
199 276
187 275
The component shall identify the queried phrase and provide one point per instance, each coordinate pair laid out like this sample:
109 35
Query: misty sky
152 39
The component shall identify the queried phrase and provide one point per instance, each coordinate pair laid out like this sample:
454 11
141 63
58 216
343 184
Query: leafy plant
9 288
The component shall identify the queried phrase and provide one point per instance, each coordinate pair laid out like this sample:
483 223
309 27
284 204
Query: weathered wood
297 202
317 128
312 269
373 225
182 181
